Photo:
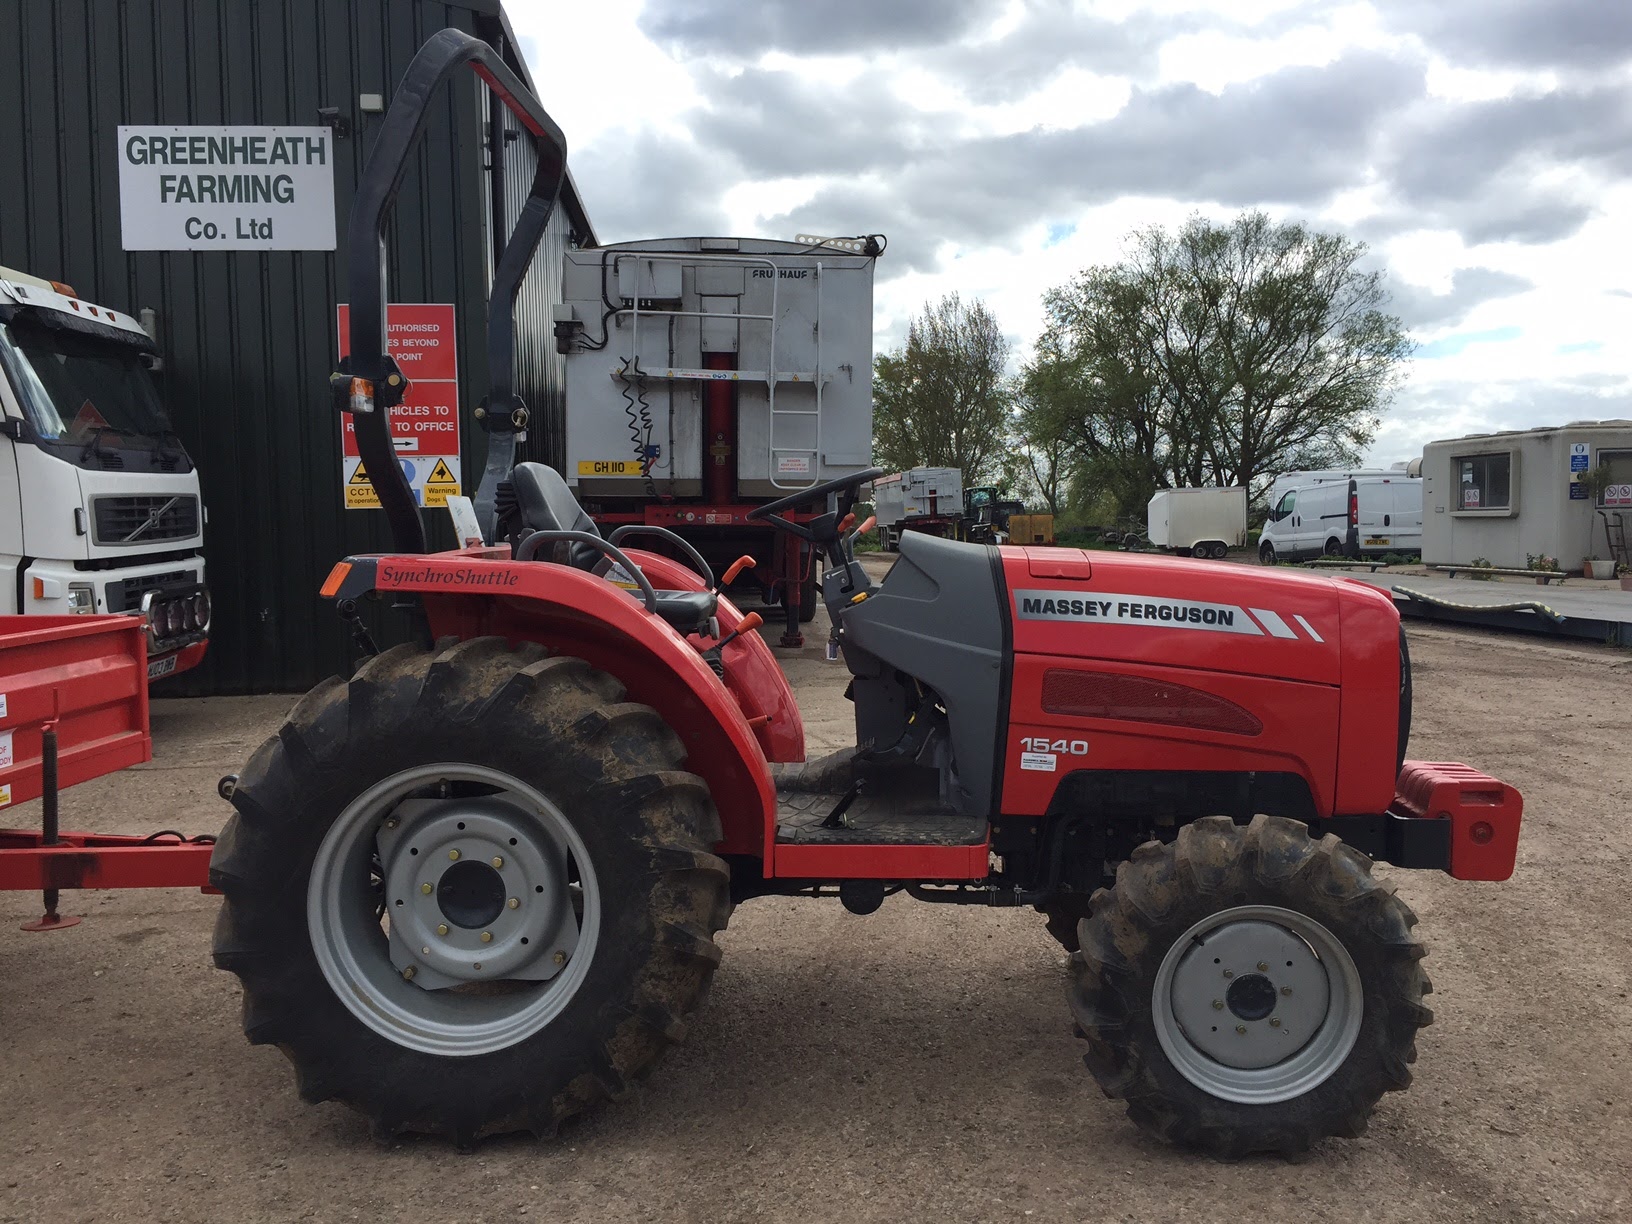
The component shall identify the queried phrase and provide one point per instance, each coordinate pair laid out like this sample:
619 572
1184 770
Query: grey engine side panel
938 617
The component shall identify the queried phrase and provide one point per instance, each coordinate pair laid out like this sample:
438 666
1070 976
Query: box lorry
1198 522
100 509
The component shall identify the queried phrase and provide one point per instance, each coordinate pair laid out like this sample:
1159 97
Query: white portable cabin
1507 496
646 326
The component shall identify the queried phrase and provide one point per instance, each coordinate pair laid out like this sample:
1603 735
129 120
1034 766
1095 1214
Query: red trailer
73 706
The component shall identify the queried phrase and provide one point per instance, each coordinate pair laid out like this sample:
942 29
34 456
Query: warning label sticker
425 426
440 484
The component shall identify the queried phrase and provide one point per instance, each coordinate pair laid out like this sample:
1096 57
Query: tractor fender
477 593
752 673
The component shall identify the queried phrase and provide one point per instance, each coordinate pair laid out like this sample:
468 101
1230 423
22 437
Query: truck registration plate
161 667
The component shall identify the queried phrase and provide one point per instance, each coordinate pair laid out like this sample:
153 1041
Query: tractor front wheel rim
1257 1004
453 909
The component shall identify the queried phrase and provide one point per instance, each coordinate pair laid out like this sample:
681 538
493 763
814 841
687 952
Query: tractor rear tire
536 745
1061 918
1281 910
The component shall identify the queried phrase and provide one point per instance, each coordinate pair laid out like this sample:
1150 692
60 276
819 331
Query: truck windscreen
84 391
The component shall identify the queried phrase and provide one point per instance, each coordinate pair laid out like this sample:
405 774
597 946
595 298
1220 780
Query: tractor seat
546 504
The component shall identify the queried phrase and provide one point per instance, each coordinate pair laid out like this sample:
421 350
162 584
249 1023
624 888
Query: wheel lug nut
408 973
441 928
1286 990
1274 1023
1218 1004
514 903
1242 1029
1229 973
1263 967
560 958
453 855
477 965
487 936
391 823
424 951
426 889
498 860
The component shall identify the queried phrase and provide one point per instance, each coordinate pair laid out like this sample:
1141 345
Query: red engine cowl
1186 665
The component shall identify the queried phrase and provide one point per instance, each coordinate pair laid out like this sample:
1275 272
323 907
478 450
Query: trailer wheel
1249 989
470 891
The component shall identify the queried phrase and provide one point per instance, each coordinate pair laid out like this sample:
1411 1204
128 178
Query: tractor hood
1181 612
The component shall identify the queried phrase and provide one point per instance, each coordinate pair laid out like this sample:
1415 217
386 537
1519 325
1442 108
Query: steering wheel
773 510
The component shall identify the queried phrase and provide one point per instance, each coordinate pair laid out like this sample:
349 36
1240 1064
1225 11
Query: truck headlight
81 598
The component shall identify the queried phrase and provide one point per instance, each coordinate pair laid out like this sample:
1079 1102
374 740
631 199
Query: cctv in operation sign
226 188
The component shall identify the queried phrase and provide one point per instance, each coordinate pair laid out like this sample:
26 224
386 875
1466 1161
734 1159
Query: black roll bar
382 383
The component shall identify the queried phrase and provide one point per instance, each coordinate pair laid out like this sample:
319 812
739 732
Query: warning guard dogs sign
425 426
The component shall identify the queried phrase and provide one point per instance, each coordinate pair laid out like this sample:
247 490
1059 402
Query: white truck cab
99 502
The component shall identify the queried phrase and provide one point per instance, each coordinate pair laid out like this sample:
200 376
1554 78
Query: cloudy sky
1482 148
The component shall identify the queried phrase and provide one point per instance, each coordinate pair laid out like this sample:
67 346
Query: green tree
941 399
1220 354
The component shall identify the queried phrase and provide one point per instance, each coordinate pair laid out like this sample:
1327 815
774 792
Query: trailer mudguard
481 592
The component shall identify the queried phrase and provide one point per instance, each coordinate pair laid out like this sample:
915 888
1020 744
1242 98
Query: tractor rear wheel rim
1257 1004
413 852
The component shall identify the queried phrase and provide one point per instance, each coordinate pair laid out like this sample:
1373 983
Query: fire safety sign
425 426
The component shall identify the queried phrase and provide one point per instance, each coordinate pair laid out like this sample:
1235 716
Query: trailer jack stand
50 920
792 591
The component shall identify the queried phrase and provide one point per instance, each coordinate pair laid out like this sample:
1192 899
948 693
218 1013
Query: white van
1310 520
1389 515
1365 515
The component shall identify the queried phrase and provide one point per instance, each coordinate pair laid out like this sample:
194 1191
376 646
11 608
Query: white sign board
226 188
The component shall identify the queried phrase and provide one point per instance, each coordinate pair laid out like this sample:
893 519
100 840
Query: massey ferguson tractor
475 888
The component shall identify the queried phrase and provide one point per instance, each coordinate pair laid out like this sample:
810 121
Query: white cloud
1396 126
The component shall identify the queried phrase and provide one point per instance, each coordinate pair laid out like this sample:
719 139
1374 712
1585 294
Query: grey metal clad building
248 337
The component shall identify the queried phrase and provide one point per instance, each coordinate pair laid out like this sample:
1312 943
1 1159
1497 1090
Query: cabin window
1484 482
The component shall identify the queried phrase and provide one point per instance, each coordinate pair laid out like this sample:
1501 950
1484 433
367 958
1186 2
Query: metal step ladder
807 457
1615 533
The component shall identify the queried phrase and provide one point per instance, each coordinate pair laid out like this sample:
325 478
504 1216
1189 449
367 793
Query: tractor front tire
566 897
1249 989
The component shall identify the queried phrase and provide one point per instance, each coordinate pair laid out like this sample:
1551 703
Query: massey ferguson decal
1113 609
1157 613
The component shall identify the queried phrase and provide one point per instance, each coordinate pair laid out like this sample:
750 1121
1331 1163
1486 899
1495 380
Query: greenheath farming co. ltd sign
226 188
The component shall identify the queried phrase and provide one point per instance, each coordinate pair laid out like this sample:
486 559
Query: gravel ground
914 1064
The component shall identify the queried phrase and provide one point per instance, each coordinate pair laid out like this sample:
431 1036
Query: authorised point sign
425 426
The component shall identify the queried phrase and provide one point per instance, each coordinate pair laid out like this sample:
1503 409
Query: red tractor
475 888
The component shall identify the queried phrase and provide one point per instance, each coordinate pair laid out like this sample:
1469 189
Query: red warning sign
425 426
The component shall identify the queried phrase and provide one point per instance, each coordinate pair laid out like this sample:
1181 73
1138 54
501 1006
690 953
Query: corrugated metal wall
249 338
